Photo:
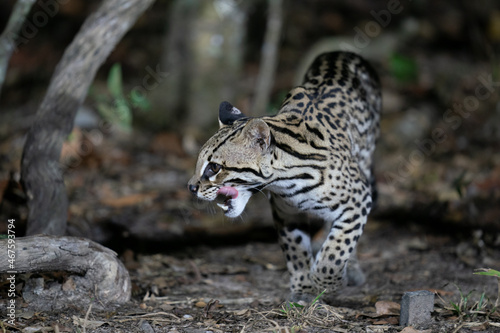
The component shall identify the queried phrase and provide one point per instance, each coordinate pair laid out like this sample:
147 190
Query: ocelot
314 157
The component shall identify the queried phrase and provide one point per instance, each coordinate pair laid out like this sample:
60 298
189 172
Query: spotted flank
315 159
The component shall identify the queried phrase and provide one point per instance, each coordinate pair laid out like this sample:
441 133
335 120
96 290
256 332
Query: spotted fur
315 159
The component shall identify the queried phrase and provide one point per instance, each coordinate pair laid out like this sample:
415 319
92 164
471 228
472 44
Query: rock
416 307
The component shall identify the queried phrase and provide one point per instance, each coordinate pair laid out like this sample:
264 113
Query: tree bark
40 169
11 34
101 276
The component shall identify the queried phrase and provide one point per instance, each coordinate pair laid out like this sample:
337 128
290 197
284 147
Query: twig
497 302
86 318
156 316
458 328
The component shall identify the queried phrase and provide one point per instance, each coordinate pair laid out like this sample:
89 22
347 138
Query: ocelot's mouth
229 194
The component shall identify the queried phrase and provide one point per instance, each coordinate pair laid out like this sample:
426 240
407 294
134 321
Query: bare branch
269 56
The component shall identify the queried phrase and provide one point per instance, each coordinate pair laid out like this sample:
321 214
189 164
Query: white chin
235 207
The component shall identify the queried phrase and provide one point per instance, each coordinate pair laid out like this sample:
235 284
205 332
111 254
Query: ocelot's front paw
301 298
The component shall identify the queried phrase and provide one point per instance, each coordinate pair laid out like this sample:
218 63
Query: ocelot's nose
193 188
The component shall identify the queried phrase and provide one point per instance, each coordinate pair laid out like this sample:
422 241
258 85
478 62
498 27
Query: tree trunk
40 170
269 58
11 34
101 276
203 58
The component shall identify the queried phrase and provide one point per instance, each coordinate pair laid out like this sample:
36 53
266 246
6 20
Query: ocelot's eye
212 169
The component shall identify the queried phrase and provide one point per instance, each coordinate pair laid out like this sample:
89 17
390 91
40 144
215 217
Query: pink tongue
228 191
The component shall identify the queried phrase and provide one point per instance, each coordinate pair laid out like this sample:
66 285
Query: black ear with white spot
228 114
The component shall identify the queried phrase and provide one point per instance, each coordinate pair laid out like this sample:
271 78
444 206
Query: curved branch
40 170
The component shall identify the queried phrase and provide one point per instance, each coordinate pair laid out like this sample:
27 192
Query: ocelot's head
235 162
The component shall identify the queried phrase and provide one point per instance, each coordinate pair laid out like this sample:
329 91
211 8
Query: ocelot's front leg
296 245
335 265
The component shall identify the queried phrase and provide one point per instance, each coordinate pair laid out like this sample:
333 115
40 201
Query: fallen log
99 277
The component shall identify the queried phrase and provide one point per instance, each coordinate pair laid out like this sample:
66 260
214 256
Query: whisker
261 191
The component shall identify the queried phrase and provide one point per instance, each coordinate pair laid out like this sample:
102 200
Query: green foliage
488 272
468 309
460 184
495 273
139 101
291 306
115 107
115 81
403 68
461 308
318 297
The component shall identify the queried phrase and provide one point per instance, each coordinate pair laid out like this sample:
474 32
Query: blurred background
155 101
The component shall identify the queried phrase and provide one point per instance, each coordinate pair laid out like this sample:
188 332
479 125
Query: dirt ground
241 288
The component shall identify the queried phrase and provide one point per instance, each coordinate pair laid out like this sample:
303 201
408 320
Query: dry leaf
212 305
166 307
26 314
387 308
200 304
241 312
69 285
92 324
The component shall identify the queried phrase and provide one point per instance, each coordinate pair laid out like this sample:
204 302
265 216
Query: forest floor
242 288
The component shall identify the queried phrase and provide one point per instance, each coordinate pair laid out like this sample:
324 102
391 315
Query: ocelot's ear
228 114
257 132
